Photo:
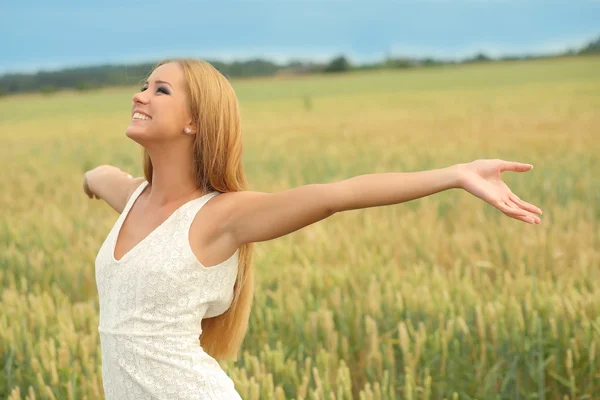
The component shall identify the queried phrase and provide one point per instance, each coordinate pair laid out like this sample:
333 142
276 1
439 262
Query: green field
439 297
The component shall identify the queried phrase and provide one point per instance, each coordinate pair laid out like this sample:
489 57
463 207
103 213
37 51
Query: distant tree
428 62
338 64
399 63
84 78
372 66
48 89
510 58
592 47
83 86
479 57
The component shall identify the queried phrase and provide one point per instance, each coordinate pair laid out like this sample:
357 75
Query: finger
529 220
523 214
525 205
515 166
512 210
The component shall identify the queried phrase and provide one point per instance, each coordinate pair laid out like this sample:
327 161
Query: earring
188 130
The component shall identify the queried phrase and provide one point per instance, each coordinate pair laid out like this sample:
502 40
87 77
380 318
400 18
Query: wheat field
442 297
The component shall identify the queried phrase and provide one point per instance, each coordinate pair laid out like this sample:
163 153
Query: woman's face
163 101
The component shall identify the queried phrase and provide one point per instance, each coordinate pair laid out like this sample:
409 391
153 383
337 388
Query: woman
177 262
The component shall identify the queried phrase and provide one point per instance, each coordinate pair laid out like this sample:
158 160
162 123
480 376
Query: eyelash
160 88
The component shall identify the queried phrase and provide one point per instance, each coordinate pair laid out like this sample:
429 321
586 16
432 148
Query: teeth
140 116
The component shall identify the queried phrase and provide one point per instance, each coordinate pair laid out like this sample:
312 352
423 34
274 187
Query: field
439 297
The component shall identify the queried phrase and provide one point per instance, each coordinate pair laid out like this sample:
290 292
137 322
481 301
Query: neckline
136 195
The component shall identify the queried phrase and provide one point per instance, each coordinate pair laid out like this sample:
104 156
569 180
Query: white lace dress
151 303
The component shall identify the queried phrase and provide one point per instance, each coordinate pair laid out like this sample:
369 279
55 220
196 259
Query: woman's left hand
482 178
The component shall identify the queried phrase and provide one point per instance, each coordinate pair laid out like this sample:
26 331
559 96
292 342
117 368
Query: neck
173 181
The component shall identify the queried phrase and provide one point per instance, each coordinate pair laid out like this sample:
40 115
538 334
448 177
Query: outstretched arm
256 216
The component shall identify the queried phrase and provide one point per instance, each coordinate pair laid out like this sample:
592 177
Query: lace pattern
152 302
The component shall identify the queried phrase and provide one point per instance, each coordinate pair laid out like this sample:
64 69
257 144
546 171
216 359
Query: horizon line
282 60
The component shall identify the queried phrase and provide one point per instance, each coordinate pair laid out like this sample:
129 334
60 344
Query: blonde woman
174 275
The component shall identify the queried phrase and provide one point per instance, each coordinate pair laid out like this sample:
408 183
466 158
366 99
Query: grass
440 297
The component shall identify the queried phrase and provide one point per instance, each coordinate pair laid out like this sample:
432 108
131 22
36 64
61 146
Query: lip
141 112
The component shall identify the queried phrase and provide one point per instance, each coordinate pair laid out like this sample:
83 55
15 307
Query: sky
49 35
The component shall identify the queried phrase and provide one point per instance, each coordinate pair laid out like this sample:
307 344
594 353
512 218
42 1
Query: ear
189 128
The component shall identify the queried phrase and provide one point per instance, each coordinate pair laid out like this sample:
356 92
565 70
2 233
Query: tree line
86 78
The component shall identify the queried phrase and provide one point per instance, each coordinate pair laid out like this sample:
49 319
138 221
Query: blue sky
47 35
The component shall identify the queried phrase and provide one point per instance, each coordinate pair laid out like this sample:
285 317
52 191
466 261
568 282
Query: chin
136 135
142 136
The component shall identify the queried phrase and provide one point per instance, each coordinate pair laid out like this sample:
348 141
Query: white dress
151 303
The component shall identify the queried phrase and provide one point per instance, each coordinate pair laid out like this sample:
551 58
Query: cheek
168 121
172 113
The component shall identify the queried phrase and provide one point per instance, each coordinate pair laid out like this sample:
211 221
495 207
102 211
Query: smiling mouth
140 117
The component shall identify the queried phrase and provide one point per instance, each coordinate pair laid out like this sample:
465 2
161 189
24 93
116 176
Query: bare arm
111 184
388 188
255 216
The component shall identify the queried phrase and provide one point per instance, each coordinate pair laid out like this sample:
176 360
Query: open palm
482 178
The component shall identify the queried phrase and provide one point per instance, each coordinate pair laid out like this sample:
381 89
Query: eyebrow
158 81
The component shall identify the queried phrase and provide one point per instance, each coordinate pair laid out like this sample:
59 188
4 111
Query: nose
139 97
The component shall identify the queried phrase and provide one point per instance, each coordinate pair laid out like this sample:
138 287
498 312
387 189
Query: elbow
332 193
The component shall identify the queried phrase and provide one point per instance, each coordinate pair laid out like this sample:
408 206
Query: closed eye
160 89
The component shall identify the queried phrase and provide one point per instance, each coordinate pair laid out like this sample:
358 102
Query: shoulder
209 237
220 213
133 185
225 204
228 205
236 197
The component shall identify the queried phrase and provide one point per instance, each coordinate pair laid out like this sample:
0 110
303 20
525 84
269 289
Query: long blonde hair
218 166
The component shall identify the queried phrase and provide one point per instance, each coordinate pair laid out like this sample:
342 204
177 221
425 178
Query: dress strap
187 219
136 193
195 205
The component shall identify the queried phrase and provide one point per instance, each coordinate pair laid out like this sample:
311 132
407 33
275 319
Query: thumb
517 167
